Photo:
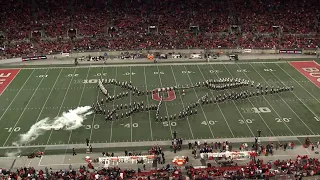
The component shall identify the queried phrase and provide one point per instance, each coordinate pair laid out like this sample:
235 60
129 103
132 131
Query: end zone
6 77
310 69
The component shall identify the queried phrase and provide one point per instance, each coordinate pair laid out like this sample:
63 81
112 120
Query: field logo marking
171 95
6 77
309 69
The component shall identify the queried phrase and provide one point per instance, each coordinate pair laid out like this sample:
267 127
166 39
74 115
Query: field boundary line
236 104
64 98
225 119
145 82
24 109
165 103
205 116
175 80
287 103
161 143
25 82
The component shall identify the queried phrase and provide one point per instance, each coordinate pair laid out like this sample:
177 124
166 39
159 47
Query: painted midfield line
25 82
217 105
205 116
269 103
145 82
64 98
175 80
34 92
289 106
251 102
237 108
165 103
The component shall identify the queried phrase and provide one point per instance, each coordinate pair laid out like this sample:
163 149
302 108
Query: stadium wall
181 51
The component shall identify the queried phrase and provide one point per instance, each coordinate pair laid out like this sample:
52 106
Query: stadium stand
139 24
302 166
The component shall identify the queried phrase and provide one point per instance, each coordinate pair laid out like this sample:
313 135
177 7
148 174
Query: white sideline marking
24 109
16 95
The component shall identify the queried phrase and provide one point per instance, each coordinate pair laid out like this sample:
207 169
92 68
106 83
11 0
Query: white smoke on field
69 120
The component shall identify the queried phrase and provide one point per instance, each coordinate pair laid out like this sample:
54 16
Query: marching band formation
191 109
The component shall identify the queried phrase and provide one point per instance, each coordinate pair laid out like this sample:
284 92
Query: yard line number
134 125
280 120
13 129
158 72
166 123
256 110
101 74
242 70
73 75
208 123
246 121
214 71
269 70
186 72
43 75
89 126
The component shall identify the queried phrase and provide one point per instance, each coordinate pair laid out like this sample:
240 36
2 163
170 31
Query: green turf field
35 94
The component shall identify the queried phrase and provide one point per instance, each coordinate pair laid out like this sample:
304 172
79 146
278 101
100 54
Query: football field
38 93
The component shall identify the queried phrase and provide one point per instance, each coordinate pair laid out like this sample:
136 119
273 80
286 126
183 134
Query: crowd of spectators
168 24
302 166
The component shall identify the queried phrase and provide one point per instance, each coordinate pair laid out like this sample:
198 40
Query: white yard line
24 109
94 115
10 82
288 104
225 119
114 101
237 106
175 80
272 106
148 102
64 98
84 85
300 86
45 103
25 82
251 102
204 114
267 99
165 103
131 102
